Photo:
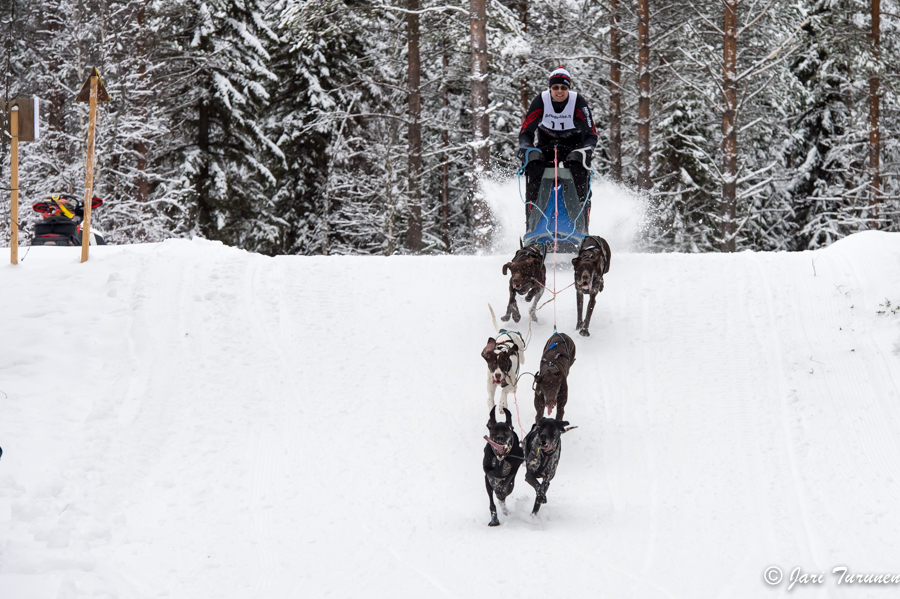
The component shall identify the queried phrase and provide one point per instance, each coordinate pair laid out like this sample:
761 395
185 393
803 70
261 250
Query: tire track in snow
771 346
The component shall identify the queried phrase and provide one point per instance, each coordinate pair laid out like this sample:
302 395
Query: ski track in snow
189 420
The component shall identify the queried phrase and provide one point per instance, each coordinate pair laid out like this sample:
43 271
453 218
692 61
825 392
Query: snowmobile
62 221
558 216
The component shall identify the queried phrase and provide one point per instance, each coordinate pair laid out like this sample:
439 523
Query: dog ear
561 425
575 261
489 348
492 421
506 266
508 417
515 349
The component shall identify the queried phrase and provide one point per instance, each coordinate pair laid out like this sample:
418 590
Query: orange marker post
89 179
92 91
14 186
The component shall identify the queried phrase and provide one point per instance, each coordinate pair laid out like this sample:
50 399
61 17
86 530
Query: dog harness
538 250
507 345
558 354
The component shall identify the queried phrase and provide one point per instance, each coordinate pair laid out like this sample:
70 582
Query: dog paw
541 499
505 318
584 333
503 509
517 317
494 522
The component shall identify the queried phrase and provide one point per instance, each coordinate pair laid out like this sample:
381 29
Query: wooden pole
89 182
14 186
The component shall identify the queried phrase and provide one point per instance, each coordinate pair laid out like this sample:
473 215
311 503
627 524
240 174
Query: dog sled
557 216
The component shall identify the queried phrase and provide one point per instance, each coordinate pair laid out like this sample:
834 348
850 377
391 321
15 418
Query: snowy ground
188 420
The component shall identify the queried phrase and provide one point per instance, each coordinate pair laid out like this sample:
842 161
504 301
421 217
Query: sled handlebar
528 150
583 153
48 205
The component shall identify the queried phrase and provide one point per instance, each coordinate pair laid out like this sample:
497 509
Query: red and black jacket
583 135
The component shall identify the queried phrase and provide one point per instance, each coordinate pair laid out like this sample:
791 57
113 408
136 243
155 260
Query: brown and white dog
528 278
504 356
590 265
551 389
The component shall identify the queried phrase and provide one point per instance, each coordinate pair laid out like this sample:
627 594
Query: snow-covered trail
189 420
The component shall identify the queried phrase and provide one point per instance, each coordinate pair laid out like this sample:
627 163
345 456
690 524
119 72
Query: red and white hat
560 77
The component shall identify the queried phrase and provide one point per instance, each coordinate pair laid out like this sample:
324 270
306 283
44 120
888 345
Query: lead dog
504 355
551 389
542 450
528 278
502 457
590 265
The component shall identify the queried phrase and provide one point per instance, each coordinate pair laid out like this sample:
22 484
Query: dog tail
494 318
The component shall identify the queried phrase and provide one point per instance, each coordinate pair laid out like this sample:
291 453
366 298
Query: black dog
590 265
502 457
542 450
551 389
528 278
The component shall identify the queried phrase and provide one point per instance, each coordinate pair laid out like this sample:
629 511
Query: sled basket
569 227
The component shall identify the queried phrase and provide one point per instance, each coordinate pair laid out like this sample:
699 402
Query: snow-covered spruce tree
446 123
743 50
216 76
829 180
320 47
145 195
47 47
368 182
889 211
57 42
821 120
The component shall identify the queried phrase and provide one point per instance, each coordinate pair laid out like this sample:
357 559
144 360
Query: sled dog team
503 453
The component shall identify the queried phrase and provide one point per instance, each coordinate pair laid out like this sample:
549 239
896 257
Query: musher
560 118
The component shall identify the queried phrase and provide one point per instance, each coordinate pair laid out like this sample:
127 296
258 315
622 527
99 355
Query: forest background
368 127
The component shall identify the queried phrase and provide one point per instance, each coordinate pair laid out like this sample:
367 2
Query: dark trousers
535 171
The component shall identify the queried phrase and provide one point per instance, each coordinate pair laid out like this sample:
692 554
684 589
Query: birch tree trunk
414 132
615 95
727 208
874 113
643 175
481 218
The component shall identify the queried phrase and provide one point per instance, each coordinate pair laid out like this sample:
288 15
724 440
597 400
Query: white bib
558 121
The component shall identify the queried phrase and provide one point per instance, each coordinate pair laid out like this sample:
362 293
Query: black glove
523 154
576 156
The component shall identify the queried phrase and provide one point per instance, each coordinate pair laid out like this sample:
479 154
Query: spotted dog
551 389
529 275
590 265
504 356
542 450
502 457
